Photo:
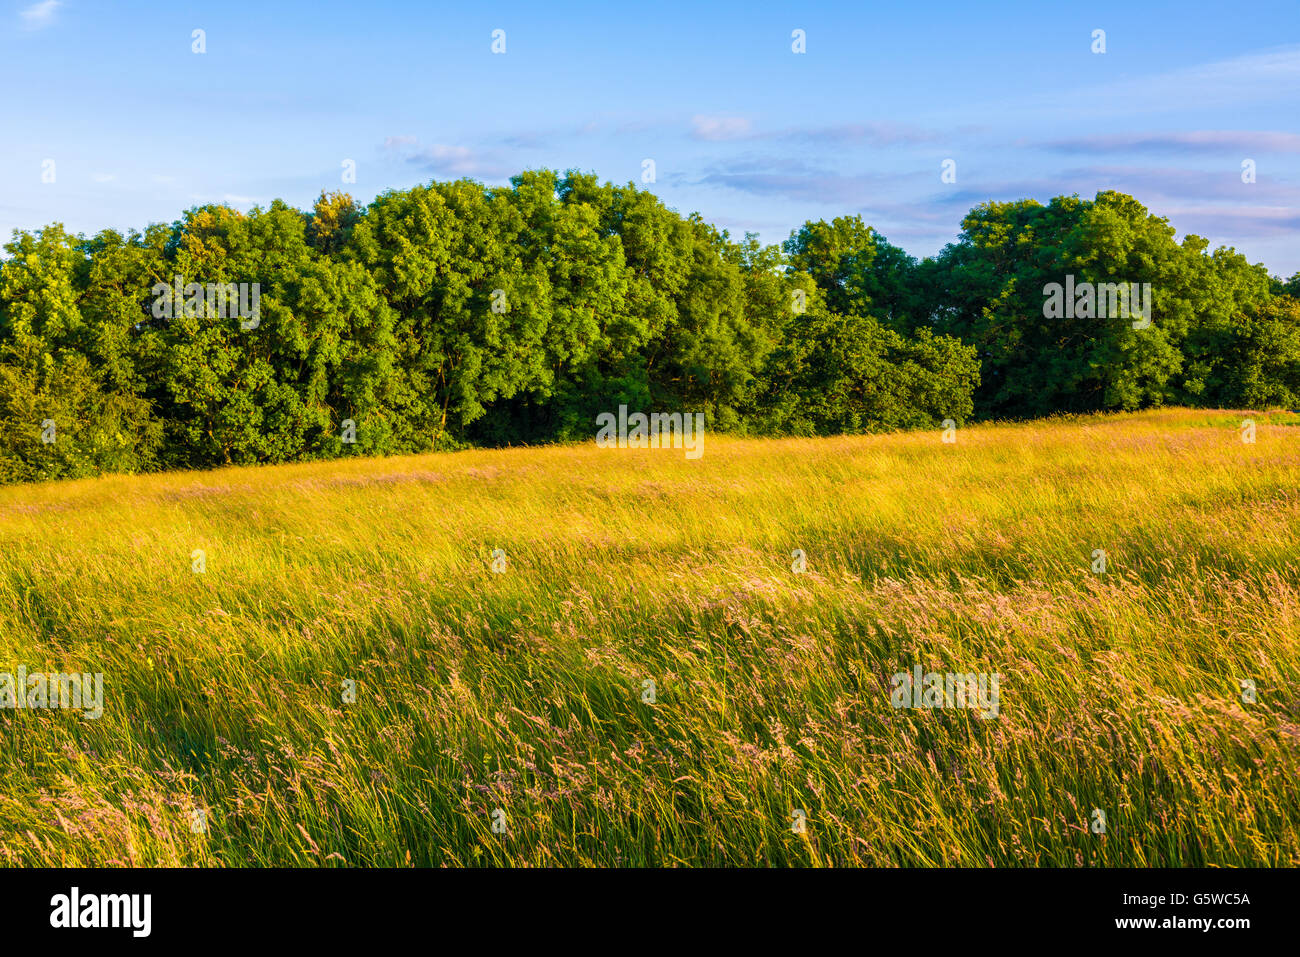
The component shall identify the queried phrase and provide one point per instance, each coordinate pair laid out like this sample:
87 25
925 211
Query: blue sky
741 129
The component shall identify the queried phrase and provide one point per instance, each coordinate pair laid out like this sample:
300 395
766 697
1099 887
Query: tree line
457 314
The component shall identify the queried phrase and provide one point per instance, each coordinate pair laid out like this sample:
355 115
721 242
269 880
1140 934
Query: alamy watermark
75 909
1104 300
37 690
919 689
215 300
684 431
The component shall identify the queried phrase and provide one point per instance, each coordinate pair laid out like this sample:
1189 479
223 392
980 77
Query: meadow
649 681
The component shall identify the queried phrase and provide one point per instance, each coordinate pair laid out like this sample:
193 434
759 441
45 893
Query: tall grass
523 691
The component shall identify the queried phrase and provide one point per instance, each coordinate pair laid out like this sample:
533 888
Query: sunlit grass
523 691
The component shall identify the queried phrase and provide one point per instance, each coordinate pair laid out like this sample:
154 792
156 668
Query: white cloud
1231 82
1238 81
714 128
444 160
39 15
1204 141
448 154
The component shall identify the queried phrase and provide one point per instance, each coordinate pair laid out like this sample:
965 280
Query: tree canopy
455 314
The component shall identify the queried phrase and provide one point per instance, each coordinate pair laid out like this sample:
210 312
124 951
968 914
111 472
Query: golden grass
523 691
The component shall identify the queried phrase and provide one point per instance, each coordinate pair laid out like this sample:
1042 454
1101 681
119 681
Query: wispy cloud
443 159
1244 79
1223 224
916 208
1243 142
793 180
1215 205
870 134
1247 80
711 129
1188 186
39 15
610 126
715 129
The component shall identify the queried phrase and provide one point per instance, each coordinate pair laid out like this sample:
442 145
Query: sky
110 101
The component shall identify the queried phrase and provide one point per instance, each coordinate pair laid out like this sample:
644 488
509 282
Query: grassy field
525 691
